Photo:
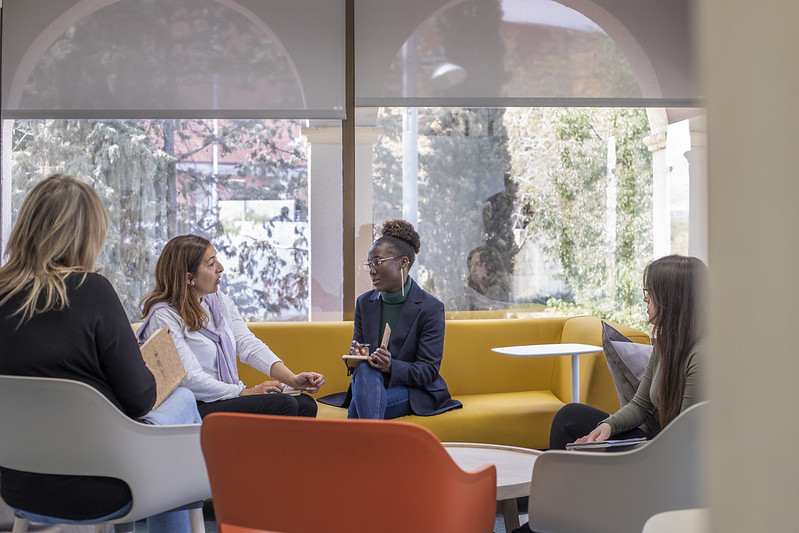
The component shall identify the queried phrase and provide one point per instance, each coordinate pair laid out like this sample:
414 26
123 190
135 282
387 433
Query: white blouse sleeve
198 355
250 349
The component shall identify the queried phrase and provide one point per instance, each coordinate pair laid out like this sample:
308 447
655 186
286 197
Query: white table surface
549 350
514 471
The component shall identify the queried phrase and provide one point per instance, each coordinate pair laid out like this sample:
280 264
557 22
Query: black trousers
262 404
575 420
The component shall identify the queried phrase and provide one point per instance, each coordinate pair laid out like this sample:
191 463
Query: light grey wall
750 62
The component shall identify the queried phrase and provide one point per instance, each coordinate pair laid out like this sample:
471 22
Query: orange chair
237 529
295 475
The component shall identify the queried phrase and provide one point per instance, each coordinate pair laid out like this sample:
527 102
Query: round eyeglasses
375 262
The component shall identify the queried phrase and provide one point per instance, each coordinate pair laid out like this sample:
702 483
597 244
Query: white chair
616 492
58 426
683 521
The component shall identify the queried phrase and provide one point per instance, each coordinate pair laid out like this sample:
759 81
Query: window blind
173 58
507 53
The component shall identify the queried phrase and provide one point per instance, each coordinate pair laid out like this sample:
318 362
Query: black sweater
89 341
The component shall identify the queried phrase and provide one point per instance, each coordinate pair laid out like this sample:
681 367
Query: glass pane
523 210
242 184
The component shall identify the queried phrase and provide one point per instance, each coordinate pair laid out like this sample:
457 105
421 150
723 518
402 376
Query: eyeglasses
375 262
646 293
475 264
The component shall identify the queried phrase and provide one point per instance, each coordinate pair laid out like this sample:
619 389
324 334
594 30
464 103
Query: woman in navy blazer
402 376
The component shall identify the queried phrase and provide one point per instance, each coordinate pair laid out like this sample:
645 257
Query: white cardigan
198 352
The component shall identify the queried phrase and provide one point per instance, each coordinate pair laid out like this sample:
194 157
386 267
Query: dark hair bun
402 229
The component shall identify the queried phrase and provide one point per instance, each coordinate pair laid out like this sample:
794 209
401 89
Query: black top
89 341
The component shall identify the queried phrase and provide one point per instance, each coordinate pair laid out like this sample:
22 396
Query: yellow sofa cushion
507 400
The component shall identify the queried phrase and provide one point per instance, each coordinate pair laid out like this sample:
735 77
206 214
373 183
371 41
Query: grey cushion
627 361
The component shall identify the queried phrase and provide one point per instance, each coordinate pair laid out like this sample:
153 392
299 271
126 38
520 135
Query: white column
697 190
326 219
365 140
661 201
325 210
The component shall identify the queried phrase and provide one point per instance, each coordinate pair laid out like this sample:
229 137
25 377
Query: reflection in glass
241 184
558 201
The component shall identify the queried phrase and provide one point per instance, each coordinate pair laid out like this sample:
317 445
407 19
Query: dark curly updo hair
402 237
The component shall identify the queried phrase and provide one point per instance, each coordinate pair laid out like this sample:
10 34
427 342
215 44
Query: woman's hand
380 359
309 381
602 432
356 348
263 388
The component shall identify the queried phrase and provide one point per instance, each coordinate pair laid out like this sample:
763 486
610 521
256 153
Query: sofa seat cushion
510 418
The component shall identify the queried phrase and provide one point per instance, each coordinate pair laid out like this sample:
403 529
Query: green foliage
604 309
144 173
594 220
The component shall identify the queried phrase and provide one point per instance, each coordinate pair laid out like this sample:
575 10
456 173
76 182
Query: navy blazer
416 345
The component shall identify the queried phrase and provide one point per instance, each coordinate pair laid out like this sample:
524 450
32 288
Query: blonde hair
182 254
60 229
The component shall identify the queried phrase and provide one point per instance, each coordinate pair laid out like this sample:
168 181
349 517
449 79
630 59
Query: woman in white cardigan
209 333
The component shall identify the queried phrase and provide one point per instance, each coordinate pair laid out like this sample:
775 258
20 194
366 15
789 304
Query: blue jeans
371 398
42 519
180 407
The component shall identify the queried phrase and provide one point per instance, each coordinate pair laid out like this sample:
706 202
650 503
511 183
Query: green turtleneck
392 305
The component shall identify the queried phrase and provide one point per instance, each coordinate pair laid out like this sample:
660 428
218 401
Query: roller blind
525 52
173 58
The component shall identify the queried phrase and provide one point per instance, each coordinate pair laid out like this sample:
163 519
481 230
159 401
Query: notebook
162 359
602 445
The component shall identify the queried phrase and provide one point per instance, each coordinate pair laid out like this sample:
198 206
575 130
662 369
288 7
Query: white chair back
58 426
616 492
682 521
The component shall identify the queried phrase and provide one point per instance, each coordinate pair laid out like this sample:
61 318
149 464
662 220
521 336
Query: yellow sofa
506 400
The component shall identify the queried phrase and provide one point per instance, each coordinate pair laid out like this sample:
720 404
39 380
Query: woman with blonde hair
209 333
59 319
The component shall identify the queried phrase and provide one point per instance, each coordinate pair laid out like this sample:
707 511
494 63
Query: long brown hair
181 255
60 229
676 286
